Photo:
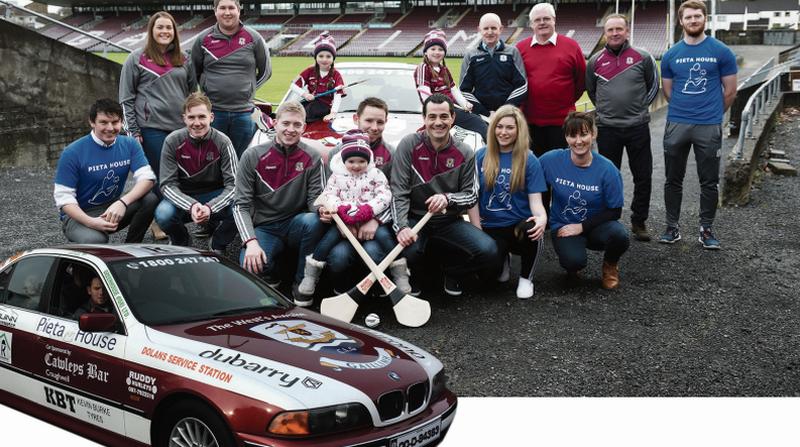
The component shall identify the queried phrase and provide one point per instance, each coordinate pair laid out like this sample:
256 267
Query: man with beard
699 80
622 81
276 185
432 172
198 174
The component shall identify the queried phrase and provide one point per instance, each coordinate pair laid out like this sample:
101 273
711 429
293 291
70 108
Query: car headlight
439 384
320 421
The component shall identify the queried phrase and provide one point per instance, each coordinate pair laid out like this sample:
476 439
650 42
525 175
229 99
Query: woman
587 201
154 83
510 206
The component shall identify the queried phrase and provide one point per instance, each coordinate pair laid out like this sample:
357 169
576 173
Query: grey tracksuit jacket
190 166
152 95
231 68
274 183
622 86
419 171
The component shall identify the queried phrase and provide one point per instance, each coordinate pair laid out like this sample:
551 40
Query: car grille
394 403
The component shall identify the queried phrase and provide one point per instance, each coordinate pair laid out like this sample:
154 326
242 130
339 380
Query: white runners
524 288
505 275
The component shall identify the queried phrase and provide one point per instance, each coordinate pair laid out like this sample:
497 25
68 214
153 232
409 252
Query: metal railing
754 109
70 27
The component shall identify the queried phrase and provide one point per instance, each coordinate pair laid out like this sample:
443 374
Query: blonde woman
510 206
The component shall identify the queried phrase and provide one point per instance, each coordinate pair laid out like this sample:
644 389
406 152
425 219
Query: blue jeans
460 247
238 126
300 233
171 219
153 143
610 237
346 265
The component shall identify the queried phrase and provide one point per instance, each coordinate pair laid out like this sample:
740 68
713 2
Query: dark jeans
459 246
527 249
706 140
138 216
610 237
153 143
544 139
316 110
299 233
171 219
347 267
332 238
471 121
636 140
238 126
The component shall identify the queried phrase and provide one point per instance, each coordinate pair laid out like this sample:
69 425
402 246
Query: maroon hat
355 143
435 37
324 42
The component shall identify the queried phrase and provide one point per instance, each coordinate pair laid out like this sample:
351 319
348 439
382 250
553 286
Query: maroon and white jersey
428 84
316 85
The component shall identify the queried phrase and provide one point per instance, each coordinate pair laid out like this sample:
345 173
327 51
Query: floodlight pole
713 18
633 11
671 24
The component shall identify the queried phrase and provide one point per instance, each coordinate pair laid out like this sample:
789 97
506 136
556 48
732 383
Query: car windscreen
183 288
394 86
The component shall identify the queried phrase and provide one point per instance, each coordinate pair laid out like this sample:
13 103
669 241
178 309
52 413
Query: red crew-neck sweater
556 79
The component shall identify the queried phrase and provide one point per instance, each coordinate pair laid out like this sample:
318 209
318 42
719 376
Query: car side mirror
97 322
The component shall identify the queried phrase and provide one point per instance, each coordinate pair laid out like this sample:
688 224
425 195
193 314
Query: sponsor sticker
141 385
251 321
8 317
5 346
237 360
188 364
53 328
304 334
383 360
62 368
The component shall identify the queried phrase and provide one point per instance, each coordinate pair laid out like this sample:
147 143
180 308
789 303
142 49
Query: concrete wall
46 88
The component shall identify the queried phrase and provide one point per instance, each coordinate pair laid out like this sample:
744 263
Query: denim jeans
238 126
460 247
347 267
300 233
171 219
610 237
153 143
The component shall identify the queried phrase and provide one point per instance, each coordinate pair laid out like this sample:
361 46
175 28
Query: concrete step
782 168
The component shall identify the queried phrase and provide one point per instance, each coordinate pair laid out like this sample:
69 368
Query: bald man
492 73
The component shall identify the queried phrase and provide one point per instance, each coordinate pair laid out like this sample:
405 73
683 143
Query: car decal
6 346
8 317
305 335
385 357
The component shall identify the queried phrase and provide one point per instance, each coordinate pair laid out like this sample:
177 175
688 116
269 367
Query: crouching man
90 180
198 176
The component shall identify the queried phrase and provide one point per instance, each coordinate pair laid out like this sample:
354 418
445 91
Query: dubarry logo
236 360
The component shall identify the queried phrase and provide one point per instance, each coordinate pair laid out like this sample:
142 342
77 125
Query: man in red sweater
556 71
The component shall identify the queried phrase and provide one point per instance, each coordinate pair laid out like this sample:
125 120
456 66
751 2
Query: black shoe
451 286
203 231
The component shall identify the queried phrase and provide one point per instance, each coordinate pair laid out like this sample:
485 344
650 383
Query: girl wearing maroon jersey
321 78
433 76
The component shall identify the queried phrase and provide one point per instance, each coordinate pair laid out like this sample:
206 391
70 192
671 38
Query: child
320 78
432 76
359 191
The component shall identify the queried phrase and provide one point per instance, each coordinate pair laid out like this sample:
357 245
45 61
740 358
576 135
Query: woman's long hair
173 50
519 153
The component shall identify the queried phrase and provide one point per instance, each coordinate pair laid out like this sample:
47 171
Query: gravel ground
686 322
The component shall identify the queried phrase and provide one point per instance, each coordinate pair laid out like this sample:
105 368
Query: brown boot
640 232
610 275
158 233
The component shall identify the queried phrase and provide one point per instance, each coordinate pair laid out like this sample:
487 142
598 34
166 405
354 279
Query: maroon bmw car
168 346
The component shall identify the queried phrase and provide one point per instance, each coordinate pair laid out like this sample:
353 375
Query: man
276 185
90 179
556 72
699 78
622 81
231 61
198 175
370 117
433 173
492 74
97 302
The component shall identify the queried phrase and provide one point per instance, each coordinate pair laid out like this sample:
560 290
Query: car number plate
419 437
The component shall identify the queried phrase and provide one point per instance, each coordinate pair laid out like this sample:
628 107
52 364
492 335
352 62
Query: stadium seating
57 31
401 40
650 28
464 33
580 21
303 46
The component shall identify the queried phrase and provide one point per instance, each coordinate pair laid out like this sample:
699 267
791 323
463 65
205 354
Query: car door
81 372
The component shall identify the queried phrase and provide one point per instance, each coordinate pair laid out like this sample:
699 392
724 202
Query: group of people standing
538 168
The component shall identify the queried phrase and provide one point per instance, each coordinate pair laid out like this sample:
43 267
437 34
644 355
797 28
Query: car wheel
191 425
